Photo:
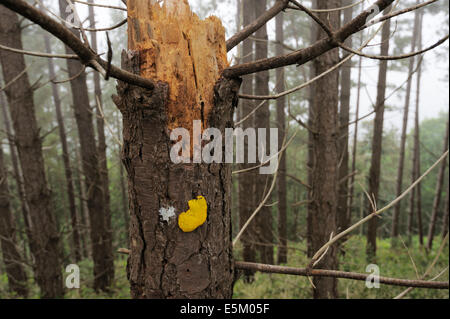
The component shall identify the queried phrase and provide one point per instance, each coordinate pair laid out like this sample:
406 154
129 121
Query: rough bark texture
76 246
247 180
281 120
101 247
17 278
344 117
401 161
262 120
101 147
324 173
44 232
438 194
164 261
377 140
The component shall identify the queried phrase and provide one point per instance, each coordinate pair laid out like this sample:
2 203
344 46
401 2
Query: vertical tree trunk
417 140
76 250
281 120
247 180
355 143
324 173
344 118
17 175
101 249
45 235
446 209
377 140
102 158
123 187
438 194
17 278
401 161
262 120
164 261
311 122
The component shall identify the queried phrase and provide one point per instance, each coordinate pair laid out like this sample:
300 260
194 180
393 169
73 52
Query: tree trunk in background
17 278
17 175
344 118
377 140
123 187
102 158
438 194
45 235
76 248
247 180
401 161
446 209
164 261
355 141
311 122
417 167
281 120
84 210
101 248
262 120
324 174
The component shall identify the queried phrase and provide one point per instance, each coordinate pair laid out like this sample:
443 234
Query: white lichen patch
167 213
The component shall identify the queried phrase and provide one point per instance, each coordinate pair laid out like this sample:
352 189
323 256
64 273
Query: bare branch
393 57
337 274
41 54
85 54
279 6
100 5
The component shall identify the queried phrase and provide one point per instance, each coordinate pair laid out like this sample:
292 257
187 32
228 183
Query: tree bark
262 120
281 120
45 234
401 161
344 118
76 250
15 272
377 140
438 194
101 248
164 261
247 181
324 172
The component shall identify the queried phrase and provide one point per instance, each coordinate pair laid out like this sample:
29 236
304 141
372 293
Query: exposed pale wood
176 47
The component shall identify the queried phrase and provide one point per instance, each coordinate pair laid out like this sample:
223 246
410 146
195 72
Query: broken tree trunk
186 56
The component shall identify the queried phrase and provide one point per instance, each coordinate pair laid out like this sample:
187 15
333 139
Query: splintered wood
178 48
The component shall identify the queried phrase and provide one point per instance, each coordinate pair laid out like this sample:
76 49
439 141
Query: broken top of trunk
178 48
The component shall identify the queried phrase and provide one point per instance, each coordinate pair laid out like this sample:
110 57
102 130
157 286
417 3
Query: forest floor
392 263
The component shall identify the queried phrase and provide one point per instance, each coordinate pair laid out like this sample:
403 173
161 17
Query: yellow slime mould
195 216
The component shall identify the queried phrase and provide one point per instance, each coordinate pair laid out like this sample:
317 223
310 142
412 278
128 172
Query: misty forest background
394 259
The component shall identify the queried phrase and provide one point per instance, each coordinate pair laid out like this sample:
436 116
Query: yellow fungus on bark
195 216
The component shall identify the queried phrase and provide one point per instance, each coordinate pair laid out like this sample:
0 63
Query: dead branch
337 274
86 55
279 6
